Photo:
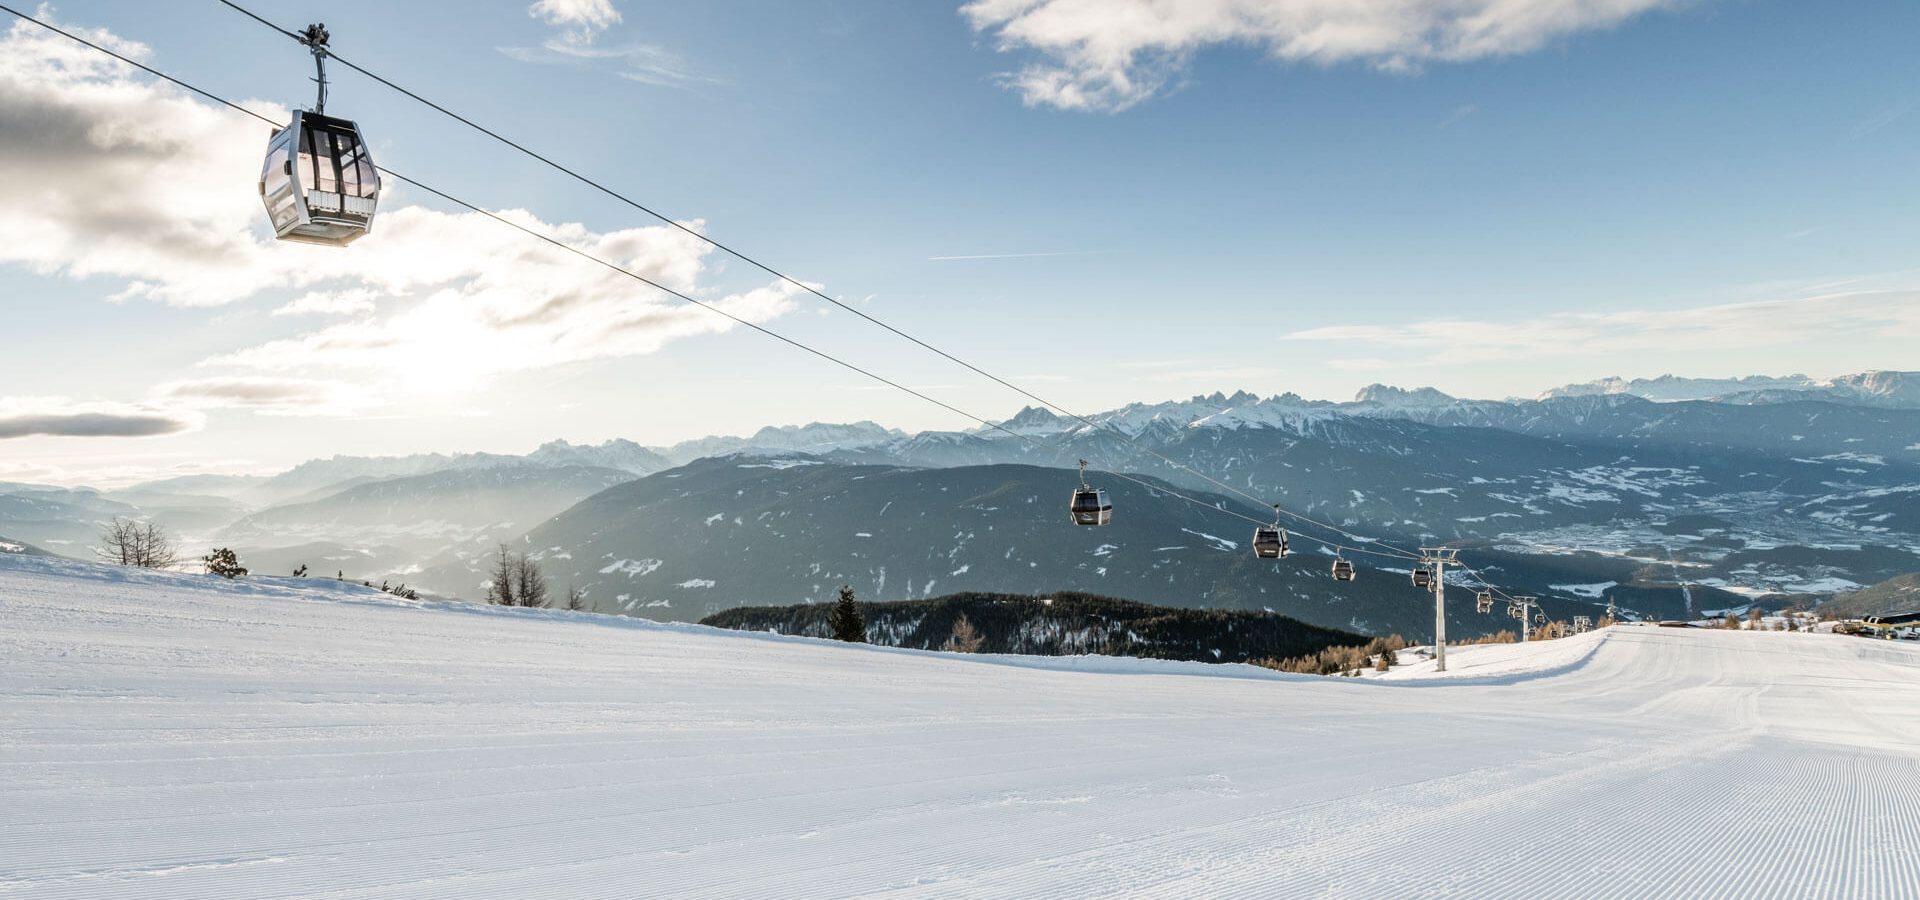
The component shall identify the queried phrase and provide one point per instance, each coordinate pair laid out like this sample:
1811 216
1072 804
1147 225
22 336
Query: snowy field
174 736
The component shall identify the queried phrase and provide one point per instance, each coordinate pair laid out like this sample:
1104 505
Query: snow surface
167 735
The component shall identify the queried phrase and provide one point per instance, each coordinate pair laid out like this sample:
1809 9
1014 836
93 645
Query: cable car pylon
1434 561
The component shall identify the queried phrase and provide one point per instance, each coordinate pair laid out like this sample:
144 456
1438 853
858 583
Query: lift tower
1437 559
1522 608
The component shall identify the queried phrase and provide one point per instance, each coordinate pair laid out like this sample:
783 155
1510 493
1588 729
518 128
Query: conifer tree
224 563
846 621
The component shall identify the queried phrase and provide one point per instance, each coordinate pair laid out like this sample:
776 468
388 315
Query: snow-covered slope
178 736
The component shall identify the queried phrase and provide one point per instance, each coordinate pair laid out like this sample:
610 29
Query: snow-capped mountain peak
1388 395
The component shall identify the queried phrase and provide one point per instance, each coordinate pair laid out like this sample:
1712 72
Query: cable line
782 276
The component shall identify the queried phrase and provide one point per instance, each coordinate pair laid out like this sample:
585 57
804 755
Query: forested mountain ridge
1065 623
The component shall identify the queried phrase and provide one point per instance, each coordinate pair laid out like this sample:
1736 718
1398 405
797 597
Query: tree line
1058 624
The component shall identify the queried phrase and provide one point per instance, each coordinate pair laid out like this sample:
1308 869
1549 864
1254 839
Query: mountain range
1773 485
1892 389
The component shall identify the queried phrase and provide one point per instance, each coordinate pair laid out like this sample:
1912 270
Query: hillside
185 736
63 520
748 531
424 514
1059 625
1895 595
20 548
1810 492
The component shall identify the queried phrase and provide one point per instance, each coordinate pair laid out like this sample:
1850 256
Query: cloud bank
60 417
1108 55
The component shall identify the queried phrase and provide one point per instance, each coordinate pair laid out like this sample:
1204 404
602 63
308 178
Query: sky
1104 201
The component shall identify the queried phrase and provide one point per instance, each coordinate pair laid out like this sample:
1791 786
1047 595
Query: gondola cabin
1090 507
1483 601
1423 578
1342 570
318 182
1270 542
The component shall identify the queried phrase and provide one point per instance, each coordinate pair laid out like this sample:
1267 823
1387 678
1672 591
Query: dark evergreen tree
846 621
224 563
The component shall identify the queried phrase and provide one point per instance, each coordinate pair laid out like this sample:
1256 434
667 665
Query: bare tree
501 583
518 581
530 586
133 543
965 638
576 598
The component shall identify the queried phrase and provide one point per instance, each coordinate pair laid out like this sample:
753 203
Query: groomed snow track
175 736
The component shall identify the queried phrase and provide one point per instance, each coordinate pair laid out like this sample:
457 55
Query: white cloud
1797 322
1111 54
330 303
643 63
104 174
63 417
271 396
581 22
586 15
476 317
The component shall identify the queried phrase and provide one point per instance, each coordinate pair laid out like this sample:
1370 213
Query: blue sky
1265 198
